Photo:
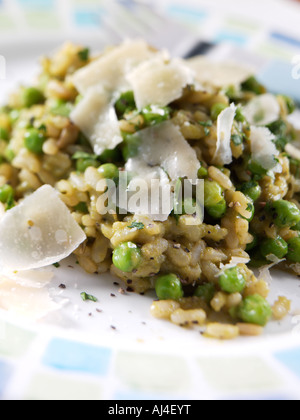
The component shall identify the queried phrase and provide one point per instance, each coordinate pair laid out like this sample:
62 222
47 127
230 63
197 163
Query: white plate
125 320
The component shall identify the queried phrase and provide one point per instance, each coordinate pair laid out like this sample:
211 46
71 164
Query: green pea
256 168
62 108
252 85
4 134
217 211
203 172
108 171
255 310
168 287
32 96
206 291
239 116
213 193
110 156
232 280
277 247
127 257
252 189
294 250
216 110
125 103
214 201
6 193
131 146
34 141
284 213
154 114
84 163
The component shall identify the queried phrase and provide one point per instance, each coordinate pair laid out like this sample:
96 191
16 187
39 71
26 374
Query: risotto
88 120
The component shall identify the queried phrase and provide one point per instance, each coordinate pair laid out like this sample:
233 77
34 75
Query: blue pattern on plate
6 371
37 4
75 356
88 18
278 36
291 359
231 36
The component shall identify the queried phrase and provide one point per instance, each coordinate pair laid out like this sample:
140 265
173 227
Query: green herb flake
84 54
85 297
237 139
137 225
57 265
206 125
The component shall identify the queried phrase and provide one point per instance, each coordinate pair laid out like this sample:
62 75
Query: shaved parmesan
38 232
293 151
164 146
223 153
28 301
96 117
218 74
263 148
262 110
110 69
159 81
163 154
155 197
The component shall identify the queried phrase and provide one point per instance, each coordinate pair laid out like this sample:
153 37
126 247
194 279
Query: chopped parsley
237 139
206 125
86 296
137 225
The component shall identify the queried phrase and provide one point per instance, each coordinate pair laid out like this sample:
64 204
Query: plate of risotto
148 196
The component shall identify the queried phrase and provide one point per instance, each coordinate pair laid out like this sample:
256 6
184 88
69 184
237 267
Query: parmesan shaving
163 154
263 148
164 146
38 232
293 151
264 272
223 153
24 300
110 69
148 202
159 81
218 74
262 110
97 119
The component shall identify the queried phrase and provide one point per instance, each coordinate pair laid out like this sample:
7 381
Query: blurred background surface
270 27
264 34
